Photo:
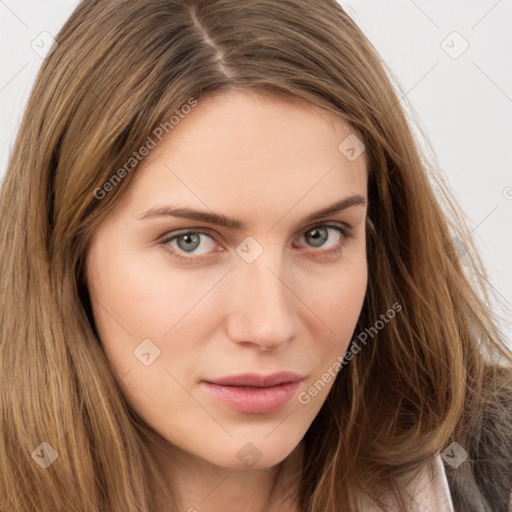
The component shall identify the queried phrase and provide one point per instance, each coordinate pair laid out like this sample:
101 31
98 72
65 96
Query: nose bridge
262 301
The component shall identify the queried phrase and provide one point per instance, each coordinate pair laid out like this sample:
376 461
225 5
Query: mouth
255 394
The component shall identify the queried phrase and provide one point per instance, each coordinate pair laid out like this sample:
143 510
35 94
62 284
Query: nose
262 305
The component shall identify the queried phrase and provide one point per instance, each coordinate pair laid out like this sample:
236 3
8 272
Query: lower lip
254 400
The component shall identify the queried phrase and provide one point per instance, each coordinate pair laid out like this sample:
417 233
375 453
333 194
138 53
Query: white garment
434 490
430 489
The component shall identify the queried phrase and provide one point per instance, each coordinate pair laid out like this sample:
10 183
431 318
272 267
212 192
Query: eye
186 242
318 235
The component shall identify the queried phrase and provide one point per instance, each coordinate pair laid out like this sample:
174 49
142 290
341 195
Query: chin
253 454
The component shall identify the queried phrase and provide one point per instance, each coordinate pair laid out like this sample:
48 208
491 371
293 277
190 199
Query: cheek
337 306
336 301
140 296
345 301
139 291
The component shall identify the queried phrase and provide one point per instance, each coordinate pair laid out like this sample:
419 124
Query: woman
319 347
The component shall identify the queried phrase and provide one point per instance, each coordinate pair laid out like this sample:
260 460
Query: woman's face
183 300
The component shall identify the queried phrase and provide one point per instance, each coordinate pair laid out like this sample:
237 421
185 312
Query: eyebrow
239 225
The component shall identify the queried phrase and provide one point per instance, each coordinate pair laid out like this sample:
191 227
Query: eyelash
337 249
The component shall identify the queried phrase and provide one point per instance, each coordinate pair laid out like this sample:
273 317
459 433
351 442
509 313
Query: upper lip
255 380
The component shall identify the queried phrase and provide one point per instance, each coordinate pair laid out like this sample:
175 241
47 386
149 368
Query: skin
269 162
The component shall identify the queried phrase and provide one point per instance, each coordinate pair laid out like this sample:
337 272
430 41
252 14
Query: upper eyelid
210 232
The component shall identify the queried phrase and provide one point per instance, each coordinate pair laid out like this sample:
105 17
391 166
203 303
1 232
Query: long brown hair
118 70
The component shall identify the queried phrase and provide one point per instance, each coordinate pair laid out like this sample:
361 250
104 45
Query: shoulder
483 482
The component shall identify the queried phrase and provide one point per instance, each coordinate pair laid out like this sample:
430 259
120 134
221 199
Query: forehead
244 150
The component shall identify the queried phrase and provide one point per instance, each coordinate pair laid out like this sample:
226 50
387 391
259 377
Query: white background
463 104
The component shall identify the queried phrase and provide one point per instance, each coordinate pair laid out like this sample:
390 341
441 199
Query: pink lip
255 394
